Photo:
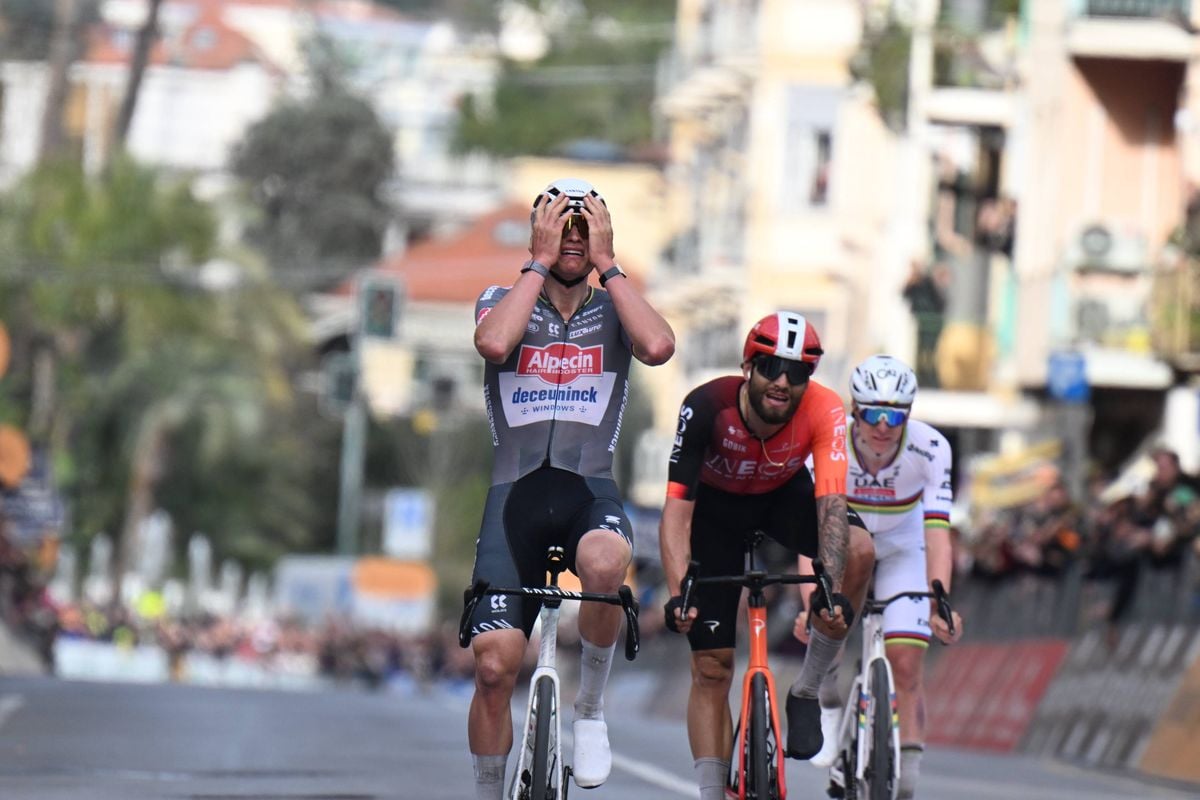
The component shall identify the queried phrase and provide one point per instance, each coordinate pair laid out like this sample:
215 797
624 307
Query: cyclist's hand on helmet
600 233
548 219
800 628
942 631
676 620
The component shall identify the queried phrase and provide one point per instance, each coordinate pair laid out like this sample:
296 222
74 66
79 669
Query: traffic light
380 304
338 379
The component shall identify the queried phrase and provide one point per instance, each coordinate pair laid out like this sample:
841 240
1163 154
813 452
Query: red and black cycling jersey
713 445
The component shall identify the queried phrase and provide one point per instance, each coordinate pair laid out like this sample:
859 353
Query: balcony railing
1137 8
1176 314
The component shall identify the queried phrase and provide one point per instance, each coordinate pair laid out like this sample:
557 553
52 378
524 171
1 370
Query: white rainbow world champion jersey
912 492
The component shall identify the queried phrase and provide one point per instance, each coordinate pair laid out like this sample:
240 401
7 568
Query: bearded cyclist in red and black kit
738 465
557 377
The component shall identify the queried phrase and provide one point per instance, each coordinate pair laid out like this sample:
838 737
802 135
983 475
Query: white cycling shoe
829 729
593 759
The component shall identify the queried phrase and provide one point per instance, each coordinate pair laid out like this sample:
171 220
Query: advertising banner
987 693
1110 693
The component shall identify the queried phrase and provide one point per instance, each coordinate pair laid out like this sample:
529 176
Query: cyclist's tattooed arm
833 532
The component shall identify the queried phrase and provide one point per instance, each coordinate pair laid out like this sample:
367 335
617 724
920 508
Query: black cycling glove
839 599
673 605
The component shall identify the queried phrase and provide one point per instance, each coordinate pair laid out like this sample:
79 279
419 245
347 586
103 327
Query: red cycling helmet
785 334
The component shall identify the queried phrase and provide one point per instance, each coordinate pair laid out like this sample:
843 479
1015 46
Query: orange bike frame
758 664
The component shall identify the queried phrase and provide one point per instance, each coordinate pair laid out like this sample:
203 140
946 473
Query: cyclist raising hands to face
556 380
738 466
900 485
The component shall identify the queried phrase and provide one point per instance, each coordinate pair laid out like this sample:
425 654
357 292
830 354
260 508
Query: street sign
1066 377
407 523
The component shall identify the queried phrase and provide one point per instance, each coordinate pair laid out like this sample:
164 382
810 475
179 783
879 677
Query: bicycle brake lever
633 637
943 605
470 600
687 586
824 587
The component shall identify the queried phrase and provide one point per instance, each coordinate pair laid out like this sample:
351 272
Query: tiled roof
456 269
207 44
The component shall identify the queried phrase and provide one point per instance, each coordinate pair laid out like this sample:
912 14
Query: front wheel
759 783
540 787
881 763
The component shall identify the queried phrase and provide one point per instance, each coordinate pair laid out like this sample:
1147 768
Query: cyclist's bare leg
860 568
710 723
601 561
498 657
908 668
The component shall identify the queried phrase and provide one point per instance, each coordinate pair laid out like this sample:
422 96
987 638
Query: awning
1123 369
951 409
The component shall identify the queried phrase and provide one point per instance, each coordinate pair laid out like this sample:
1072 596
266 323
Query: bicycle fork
523 785
758 666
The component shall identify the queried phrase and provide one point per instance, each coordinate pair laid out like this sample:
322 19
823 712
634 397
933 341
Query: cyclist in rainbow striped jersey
899 483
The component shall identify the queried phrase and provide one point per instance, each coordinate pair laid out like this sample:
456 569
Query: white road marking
656 776
9 704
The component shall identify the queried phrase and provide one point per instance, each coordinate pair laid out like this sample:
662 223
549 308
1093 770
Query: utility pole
146 37
378 300
63 52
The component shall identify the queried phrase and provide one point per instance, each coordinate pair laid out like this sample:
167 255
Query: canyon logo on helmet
575 190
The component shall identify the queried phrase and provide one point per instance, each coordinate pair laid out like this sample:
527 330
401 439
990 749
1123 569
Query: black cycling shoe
804 737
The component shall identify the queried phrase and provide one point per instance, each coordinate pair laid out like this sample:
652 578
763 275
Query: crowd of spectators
25 606
1118 534
1115 536
334 650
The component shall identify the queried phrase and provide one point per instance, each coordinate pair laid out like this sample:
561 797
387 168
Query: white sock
820 655
594 665
910 769
712 774
489 776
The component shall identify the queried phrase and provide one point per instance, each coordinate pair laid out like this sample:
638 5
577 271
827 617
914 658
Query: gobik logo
561 362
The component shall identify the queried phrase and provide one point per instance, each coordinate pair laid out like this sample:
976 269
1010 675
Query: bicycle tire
540 788
759 772
881 767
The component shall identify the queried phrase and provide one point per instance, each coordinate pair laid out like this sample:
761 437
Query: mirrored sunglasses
892 417
577 221
771 367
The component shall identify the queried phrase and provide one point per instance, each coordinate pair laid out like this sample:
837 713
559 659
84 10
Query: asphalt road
62 740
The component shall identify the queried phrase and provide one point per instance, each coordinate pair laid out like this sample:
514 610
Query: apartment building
780 190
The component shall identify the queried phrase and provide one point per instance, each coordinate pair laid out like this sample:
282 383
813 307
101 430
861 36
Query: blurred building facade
1007 228
782 187
1061 160
221 65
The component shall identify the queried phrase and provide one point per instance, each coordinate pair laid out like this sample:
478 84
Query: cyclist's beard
772 415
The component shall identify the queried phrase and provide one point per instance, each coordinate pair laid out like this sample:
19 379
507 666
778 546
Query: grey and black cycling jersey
559 397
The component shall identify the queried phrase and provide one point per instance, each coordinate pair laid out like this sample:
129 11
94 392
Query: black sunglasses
771 367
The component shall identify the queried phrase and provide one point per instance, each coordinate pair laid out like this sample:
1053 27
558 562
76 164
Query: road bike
539 773
867 765
756 770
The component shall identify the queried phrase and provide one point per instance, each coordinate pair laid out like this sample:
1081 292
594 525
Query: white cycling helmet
575 190
883 381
